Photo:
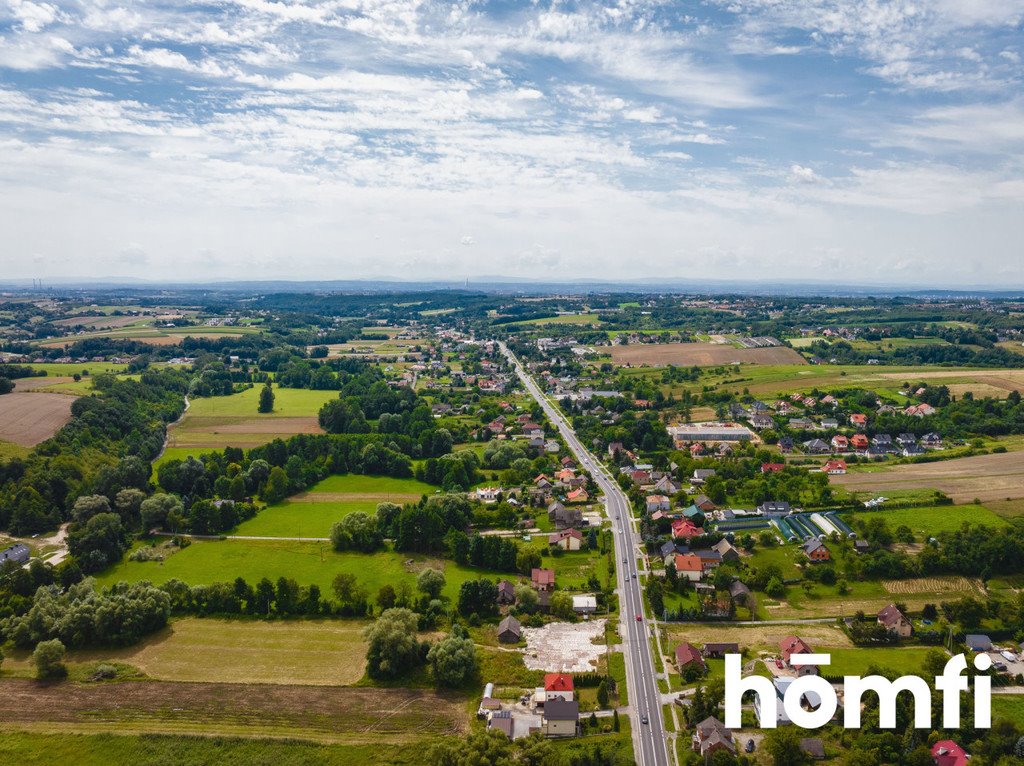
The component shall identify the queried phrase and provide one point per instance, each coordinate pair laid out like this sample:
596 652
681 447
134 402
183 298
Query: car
749 746
643 719
625 560
639 618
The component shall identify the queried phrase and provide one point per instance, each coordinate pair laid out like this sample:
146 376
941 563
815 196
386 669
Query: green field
929 521
67 370
354 483
907 660
10 450
288 403
1009 707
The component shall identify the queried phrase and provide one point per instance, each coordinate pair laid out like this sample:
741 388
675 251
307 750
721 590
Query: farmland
985 477
928 521
26 419
701 355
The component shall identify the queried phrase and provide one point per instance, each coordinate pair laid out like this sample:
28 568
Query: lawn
1009 707
307 563
317 652
929 521
907 660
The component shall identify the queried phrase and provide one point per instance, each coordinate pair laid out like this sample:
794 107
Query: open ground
985 477
701 354
26 419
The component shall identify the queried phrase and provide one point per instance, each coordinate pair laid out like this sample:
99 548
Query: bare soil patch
36 384
564 647
30 418
701 354
199 431
97 322
986 477
943 585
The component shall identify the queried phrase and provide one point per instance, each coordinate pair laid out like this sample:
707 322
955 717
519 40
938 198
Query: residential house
840 443
564 518
690 566
912 450
791 645
704 503
543 482
946 752
694 514
720 649
701 475
506 593
774 508
502 720
566 539
726 550
668 551
666 485
658 503
614 448
543 579
893 620
931 440
920 410
809 699
739 592
816 447
861 546
578 496
801 424
17 553
785 444
710 736
488 494
829 424
762 422
685 529
816 551
560 718
688 656
772 467
834 467
510 631
585 604
906 439
859 442
882 440
859 420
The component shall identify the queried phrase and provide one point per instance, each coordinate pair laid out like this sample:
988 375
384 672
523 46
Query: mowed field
26 419
317 652
315 713
985 477
312 513
216 422
701 355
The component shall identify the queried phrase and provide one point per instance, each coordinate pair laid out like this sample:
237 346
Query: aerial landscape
551 383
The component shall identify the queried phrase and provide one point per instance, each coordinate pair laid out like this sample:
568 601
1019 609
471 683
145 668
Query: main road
649 743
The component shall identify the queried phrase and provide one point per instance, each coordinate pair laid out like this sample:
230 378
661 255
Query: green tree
453 659
49 659
783 747
431 582
393 647
156 509
489 747
276 488
602 693
267 398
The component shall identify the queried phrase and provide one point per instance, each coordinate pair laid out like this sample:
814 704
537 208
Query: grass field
1009 707
67 370
316 652
702 354
30 749
757 637
985 477
10 450
929 521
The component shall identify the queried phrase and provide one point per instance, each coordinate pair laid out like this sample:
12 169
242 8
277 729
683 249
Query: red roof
834 465
557 682
685 528
791 645
859 440
858 418
543 576
946 752
689 562
772 467
687 654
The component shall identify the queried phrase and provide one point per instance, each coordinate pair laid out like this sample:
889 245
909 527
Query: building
688 656
701 475
946 752
809 700
709 432
543 579
560 718
772 467
686 529
739 592
558 686
690 566
816 551
566 539
834 467
17 553
488 494
977 642
840 443
858 419
564 518
816 447
726 550
658 503
791 645
774 508
584 604
506 593
720 649
578 496
893 620
510 631
710 735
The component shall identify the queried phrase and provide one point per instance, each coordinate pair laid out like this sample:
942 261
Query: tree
276 488
453 659
615 720
393 647
155 510
561 605
49 659
602 693
526 599
350 593
478 597
88 506
267 398
386 597
431 582
783 747
99 542
489 747
356 531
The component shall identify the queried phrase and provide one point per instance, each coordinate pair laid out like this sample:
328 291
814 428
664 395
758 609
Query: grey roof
510 623
559 710
978 641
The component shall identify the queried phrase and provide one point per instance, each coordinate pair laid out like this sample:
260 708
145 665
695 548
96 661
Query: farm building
509 630
17 553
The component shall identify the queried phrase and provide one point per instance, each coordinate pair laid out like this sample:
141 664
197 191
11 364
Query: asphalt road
649 743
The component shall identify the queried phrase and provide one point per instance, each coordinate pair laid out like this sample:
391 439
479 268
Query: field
757 637
317 713
316 652
701 354
985 477
101 322
216 422
950 586
10 450
28 419
312 513
927 522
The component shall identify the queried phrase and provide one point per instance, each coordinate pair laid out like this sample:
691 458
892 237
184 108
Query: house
816 551
829 424
558 686
690 566
912 450
762 422
813 747
560 718
834 467
688 656
861 546
488 494
893 620
809 699
859 442
719 650
772 467
840 443
694 514
739 592
710 736
506 593
726 550
614 448
666 485
564 518
17 553
978 642
816 447
501 720
566 539
946 752
578 496
882 440
510 631
543 579
640 476
920 410
686 529
701 475
774 508
857 419
931 440
668 550
584 604
704 503
906 439
658 503
801 424
791 645
785 444
542 482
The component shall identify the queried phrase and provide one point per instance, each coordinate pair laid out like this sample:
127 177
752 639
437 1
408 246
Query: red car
639 618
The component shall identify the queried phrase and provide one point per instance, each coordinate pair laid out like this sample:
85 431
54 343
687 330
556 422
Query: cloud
803 175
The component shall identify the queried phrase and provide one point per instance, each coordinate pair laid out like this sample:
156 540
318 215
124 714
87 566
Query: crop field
233 421
102 322
702 355
26 419
758 637
312 513
951 586
316 713
926 522
985 477
205 562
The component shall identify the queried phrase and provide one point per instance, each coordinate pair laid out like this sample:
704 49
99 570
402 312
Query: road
649 743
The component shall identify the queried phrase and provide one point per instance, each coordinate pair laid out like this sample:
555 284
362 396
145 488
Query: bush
49 659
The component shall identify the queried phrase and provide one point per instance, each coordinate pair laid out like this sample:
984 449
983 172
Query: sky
859 141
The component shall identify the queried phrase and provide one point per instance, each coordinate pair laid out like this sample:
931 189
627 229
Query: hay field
26 419
701 355
985 477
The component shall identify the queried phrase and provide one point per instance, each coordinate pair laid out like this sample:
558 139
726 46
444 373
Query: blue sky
874 142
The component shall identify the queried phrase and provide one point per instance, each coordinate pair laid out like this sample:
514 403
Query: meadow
928 521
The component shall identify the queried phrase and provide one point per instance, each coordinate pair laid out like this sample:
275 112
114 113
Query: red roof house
946 752
557 682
